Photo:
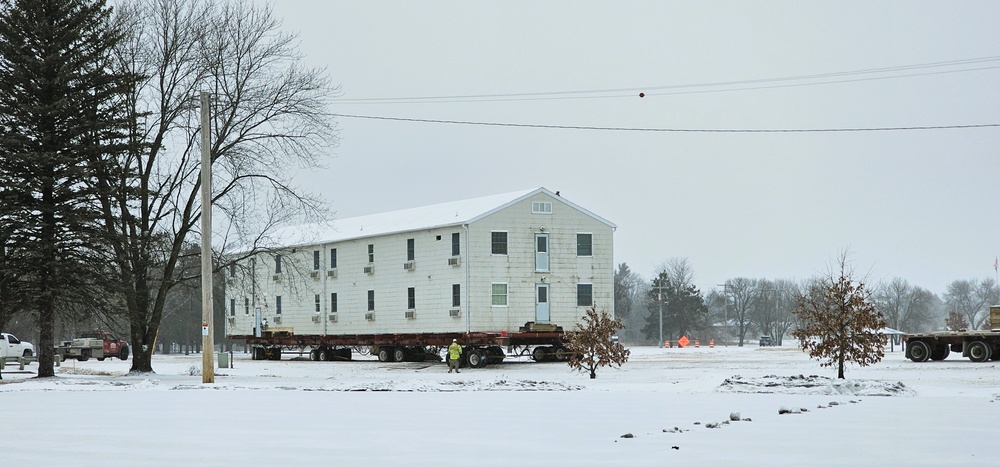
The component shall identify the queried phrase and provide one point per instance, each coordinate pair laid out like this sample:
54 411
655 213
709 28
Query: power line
693 88
670 130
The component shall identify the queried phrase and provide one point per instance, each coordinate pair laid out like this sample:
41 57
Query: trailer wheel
918 351
979 351
494 354
399 354
940 352
476 359
384 355
540 354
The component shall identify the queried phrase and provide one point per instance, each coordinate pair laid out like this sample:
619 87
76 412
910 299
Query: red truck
97 344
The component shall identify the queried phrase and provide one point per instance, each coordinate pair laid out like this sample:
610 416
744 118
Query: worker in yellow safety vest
454 355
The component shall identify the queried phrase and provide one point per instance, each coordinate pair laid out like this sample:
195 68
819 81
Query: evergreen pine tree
58 130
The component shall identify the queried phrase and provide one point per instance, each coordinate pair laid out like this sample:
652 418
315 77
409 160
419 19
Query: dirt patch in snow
812 384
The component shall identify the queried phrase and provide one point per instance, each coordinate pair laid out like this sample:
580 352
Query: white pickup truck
11 347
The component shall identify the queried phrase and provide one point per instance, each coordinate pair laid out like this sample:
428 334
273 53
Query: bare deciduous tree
838 323
742 293
904 307
269 118
787 293
594 346
969 298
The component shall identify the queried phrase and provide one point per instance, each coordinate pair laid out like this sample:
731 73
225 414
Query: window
541 207
277 304
456 295
333 258
232 270
584 294
371 300
316 300
371 253
410 250
333 302
277 264
456 247
246 306
499 294
584 244
232 307
411 298
499 241
316 260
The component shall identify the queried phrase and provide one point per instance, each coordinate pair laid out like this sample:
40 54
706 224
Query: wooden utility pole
207 304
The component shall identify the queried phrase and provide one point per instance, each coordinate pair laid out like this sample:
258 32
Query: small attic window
541 207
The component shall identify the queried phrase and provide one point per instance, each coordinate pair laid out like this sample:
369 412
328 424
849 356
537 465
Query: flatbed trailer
478 348
978 346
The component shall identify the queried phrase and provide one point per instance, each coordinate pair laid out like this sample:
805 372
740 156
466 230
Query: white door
542 252
541 303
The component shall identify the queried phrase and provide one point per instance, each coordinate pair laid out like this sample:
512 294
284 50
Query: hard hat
454 340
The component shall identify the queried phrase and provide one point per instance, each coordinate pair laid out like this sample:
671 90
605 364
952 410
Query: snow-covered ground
723 406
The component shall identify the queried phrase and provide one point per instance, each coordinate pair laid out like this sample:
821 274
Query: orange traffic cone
696 343
711 343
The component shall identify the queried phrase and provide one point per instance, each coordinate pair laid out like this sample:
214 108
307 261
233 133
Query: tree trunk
46 323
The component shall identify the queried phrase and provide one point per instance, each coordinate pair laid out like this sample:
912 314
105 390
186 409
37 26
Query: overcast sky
921 205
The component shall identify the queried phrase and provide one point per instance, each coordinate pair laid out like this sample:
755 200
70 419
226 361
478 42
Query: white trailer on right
978 346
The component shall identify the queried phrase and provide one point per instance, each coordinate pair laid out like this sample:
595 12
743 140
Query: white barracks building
489 264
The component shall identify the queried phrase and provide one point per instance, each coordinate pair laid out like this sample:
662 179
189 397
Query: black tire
476 359
495 354
540 354
123 353
940 352
384 355
84 355
979 351
100 359
918 351
399 354
27 353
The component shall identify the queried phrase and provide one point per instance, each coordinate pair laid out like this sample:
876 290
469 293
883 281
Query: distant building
488 264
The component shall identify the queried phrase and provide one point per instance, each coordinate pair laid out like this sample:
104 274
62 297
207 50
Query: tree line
99 156
743 309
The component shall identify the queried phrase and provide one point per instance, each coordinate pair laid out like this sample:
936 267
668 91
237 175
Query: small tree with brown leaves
593 344
839 323
956 322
